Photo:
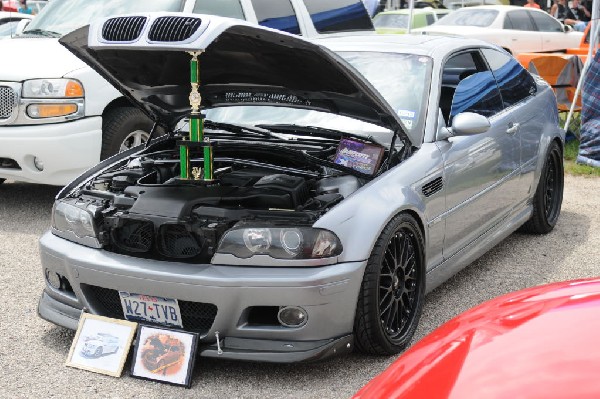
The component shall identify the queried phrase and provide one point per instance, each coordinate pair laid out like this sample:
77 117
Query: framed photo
101 344
164 355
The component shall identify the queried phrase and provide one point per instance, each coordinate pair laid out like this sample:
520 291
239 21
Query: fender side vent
123 29
433 187
173 29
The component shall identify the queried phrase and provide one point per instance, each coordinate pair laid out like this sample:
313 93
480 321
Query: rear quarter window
338 15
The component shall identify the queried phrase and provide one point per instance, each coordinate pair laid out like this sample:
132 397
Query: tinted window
514 81
477 93
545 23
391 21
430 18
466 17
519 20
276 14
224 8
338 15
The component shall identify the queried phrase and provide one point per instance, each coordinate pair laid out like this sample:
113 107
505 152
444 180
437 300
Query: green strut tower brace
196 138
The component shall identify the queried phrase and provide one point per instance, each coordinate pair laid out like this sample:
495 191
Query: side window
516 84
468 86
429 18
223 8
276 14
519 20
338 15
545 23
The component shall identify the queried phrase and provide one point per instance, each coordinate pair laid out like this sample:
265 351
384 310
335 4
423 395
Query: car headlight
52 98
74 223
280 243
52 88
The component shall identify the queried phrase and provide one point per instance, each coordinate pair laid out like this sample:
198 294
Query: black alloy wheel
393 289
548 197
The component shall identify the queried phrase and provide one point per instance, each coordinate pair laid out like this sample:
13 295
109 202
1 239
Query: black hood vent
173 29
123 29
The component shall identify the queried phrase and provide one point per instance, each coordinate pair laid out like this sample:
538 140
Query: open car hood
146 57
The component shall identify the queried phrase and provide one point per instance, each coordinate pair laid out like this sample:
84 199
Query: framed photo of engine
164 355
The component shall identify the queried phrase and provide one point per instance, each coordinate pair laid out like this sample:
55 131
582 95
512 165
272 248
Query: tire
123 128
548 195
381 327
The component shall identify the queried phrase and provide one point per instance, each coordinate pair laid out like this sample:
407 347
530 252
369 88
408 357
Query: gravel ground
33 352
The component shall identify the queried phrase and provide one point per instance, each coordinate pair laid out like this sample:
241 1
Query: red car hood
540 342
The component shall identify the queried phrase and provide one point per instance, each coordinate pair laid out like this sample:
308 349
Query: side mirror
22 25
469 123
567 28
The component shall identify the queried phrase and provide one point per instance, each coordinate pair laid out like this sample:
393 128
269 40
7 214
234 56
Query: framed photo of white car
164 355
101 344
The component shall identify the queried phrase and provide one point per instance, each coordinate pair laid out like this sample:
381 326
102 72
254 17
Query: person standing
532 4
24 8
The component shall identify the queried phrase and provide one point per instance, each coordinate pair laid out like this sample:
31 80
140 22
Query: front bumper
328 294
66 150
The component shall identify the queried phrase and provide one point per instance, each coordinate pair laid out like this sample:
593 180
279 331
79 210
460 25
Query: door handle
512 128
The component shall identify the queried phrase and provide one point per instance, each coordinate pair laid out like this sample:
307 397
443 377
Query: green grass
573 168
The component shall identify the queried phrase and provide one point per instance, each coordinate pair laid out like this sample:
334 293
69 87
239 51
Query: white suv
58 117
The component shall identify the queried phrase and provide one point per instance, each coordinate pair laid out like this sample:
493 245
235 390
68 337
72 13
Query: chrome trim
16 88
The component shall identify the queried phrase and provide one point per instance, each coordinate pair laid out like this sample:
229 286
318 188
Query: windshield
8 29
466 17
391 21
64 16
402 79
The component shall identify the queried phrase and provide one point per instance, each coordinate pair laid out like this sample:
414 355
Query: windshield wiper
230 127
41 32
313 131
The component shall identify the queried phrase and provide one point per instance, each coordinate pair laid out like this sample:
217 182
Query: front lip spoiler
245 349
270 351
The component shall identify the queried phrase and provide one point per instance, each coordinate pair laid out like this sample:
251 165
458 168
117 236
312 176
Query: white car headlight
74 223
52 98
52 88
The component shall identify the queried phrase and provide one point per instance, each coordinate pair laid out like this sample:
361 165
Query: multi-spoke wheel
393 289
549 194
123 128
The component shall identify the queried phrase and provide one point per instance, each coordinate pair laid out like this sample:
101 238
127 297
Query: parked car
512 346
86 119
100 344
516 29
397 21
349 176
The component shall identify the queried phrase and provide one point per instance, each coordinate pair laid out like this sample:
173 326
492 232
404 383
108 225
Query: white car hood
32 58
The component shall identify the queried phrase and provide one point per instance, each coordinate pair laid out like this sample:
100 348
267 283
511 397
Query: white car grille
8 102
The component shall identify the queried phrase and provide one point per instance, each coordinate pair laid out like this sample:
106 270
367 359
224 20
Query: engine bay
142 208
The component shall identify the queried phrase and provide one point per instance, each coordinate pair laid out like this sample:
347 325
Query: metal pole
411 7
593 43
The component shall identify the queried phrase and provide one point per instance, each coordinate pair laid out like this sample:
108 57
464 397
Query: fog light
292 316
38 164
53 279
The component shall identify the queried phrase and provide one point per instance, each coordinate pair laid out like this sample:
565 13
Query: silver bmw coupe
297 199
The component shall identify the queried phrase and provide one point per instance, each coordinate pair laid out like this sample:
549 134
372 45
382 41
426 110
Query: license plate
152 309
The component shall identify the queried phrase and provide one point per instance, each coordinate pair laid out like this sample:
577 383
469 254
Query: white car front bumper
65 149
